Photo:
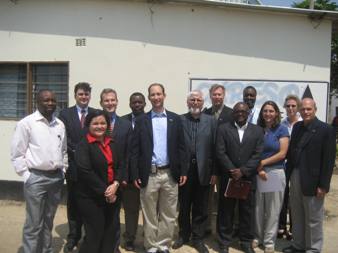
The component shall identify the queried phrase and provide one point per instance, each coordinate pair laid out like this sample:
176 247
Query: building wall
132 44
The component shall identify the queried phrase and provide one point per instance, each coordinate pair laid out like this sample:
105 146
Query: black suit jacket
93 169
224 117
205 145
315 157
75 133
246 155
142 147
121 135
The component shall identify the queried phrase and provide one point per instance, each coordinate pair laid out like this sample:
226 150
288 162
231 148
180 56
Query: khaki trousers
159 207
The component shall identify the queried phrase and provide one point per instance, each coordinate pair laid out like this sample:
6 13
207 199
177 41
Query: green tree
331 6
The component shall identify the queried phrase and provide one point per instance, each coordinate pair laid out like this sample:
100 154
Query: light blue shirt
253 116
160 152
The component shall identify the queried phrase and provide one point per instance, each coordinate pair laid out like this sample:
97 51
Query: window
19 83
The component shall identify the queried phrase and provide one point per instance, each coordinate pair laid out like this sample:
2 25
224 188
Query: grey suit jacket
205 145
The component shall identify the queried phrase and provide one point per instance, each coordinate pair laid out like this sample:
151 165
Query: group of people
161 162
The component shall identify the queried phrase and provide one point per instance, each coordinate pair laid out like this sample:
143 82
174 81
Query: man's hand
213 179
236 174
137 183
183 179
320 192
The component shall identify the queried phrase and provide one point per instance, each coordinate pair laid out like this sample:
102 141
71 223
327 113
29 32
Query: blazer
75 133
121 135
205 145
245 155
142 147
93 169
224 117
314 157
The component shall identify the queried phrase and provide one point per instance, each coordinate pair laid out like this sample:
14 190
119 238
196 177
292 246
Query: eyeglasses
289 106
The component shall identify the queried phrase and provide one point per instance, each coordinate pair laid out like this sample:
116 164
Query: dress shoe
247 248
164 251
200 247
129 246
223 250
70 246
208 232
179 243
292 249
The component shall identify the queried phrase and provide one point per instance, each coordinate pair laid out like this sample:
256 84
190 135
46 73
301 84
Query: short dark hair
83 86
261 121
139 94
156 84
249 88
39 94
96 113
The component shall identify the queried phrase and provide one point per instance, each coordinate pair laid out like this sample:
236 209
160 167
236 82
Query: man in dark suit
310 162
158 164
199 136
74 118
121 132
131 194
222 114
238 149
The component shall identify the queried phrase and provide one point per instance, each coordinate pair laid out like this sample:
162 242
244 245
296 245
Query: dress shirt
39 144
218 112
193 124
79 111
160 153
253 116
288 124
133 118
241 130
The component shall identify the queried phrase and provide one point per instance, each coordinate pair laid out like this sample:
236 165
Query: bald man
310 162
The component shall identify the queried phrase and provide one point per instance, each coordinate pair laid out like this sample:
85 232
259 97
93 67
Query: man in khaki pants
158 165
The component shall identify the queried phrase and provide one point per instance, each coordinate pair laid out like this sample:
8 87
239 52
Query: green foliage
319 5
330 6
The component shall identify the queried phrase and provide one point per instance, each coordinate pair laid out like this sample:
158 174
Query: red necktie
83 117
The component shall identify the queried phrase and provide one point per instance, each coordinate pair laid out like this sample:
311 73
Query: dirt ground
12 217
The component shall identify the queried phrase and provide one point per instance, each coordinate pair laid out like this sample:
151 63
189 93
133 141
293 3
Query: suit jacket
93 169
205 145
224 117
75 133
314 157
245 155
142 147
121 135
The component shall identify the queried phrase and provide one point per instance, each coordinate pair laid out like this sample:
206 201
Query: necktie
83 117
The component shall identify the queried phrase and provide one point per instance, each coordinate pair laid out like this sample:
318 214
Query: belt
193 161
45 171
163 167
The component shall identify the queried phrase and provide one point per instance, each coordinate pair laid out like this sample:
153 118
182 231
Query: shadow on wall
210 29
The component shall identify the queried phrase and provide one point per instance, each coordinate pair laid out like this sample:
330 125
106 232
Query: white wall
132 44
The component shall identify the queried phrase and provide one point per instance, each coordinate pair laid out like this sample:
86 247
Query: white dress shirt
241 130
39 144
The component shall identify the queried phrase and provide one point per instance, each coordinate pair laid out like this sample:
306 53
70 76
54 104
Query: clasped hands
110 193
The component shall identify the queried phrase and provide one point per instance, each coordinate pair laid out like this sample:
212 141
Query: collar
158 114
213 110
92 139
311 125
39 117
244 127
191 118
79 109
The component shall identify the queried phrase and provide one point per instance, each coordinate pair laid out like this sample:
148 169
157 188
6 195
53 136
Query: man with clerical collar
239 145
74 118
159 165
249 97
310 161
199 136
131 194
39 155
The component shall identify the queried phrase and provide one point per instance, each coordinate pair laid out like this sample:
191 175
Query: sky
286 3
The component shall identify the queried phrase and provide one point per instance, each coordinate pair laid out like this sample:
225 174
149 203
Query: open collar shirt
160 151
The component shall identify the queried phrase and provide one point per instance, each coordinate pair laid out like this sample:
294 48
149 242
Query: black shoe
69 246
179 243
247 248
223 250
208 232
200 247
129 246
164 251
292 249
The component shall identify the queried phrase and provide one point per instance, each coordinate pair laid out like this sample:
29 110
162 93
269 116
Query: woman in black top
99 176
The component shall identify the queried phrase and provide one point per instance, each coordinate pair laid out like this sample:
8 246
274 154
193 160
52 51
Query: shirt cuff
25 175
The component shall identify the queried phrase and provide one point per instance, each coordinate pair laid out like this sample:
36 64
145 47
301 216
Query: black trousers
193 211
73 215
225 217
102 225
285 207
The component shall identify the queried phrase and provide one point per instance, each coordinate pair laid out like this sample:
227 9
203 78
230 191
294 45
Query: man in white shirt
249 97
39 155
